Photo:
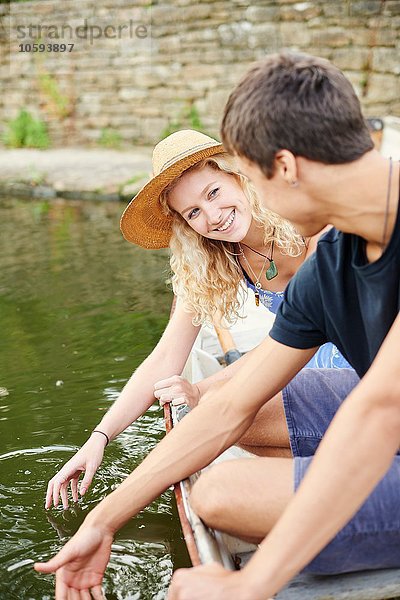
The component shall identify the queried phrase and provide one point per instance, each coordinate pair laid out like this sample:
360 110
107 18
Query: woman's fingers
179 400
58 486
174 399
56 491
163 392
166 383
64 495
87 480
177 392
74 489
49 494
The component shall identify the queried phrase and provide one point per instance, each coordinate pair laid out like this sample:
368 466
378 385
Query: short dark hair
296 102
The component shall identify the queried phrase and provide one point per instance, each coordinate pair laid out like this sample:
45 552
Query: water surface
80 308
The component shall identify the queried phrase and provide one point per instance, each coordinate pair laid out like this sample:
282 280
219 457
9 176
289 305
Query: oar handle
225 338
231 353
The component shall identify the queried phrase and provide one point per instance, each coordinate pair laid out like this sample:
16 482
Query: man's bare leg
244 497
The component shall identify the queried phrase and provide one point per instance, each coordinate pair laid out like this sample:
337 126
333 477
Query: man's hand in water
81 563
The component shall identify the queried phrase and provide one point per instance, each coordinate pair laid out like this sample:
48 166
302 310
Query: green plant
59 104
110 138
26 132
35 177
188 117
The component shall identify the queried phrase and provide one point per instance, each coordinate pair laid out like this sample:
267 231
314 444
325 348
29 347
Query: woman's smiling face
213 203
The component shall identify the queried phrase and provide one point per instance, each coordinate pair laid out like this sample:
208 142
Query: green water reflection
81 307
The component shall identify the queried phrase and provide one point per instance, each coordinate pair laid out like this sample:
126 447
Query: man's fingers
74 594
55 563
97 593
61 588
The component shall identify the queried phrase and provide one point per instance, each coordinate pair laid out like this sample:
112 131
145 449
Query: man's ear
286 166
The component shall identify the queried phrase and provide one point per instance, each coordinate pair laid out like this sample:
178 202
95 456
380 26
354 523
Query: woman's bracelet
102 433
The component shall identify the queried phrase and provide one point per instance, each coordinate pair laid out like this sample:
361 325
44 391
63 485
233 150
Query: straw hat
143 221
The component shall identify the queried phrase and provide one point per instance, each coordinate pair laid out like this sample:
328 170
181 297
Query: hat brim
143 221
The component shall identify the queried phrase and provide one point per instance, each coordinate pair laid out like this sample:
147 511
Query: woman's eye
193 213
213 193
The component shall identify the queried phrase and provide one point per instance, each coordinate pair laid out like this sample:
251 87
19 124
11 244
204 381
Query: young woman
220 237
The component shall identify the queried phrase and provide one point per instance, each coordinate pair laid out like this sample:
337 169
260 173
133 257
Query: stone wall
152 66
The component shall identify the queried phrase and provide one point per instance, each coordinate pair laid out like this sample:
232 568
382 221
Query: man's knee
208 498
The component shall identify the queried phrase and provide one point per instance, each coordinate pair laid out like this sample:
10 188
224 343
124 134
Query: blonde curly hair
206 274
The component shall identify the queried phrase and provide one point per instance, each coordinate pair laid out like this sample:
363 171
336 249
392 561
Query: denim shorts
371 540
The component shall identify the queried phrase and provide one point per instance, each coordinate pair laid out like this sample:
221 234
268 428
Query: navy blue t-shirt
337 296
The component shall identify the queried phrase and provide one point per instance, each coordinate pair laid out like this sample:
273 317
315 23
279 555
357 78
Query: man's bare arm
355 453
204 433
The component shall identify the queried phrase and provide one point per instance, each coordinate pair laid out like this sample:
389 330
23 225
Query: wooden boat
207 545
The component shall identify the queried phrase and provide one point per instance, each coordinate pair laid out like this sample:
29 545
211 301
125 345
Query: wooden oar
227 343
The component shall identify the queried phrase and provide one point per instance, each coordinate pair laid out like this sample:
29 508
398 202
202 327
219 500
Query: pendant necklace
272 270
257 282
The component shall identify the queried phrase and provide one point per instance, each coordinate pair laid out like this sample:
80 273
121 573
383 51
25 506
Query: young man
296 126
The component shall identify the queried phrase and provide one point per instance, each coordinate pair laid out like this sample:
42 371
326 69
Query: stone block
129 133
335 37
101 121
171 14
265 35
300 11
215 101
323 52
351 58
151 129
295 34
382 88
335 9
262 14
84 110
365 8
386 60
358 80
391 7
149 110
234 33
361 36
386 36
169 44
376 110
132 93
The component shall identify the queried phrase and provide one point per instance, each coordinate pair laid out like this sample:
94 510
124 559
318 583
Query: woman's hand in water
87 461
177 390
